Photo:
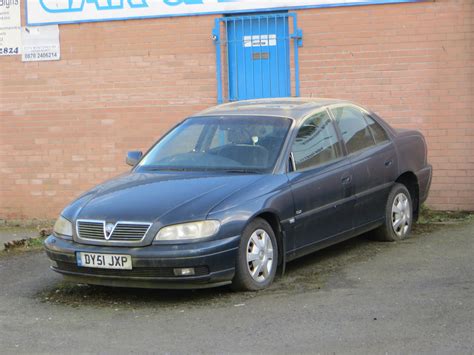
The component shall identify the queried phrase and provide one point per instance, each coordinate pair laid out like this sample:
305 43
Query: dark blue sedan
233 193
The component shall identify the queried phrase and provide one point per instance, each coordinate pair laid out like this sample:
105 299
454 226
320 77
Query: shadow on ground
307 274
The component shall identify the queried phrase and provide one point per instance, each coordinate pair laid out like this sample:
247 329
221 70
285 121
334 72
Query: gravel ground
358 297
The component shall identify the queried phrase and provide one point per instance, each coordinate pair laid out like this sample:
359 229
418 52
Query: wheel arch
410 181
273 220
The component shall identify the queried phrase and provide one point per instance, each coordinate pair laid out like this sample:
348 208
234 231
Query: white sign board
260 40
40 43
40 12
10 27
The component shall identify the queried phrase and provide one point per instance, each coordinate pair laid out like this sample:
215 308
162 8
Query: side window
378 132
355 132
316 142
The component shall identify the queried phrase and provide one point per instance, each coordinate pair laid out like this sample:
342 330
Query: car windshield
231 143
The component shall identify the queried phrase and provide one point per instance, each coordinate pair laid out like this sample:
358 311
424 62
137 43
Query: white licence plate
104 261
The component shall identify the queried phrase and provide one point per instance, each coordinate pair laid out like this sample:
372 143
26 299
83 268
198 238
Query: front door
258 56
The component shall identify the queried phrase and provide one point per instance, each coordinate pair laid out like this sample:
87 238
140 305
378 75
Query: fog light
184 272
54 264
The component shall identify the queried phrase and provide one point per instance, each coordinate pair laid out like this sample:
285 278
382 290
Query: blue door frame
257 53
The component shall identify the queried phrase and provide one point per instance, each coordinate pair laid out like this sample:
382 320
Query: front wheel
257 258
398 216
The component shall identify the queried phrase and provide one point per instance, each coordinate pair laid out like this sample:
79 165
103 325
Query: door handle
346 180
388 163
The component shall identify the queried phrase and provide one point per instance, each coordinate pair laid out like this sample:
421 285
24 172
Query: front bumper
153 266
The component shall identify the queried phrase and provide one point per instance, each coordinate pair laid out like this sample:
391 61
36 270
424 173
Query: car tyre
257 258
398 216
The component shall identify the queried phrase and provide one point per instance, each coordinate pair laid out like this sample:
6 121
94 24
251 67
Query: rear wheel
398 216
257 257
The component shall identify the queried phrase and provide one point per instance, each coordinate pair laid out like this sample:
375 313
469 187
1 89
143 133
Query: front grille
91 230
122 231
129 232
137 272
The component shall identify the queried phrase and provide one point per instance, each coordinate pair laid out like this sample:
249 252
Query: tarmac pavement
359 297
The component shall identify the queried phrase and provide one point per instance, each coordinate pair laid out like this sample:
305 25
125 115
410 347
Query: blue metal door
259 57
257 54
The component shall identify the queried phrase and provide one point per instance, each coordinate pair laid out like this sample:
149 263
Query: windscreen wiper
167 169
243 171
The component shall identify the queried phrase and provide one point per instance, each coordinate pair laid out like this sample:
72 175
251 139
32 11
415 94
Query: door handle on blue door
346 180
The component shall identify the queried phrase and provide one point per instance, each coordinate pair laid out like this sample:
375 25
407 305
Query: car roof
294 108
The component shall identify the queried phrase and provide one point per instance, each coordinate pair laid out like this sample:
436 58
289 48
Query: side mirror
133 158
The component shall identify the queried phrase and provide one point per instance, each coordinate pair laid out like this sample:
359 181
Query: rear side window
316 142
378 132
354 129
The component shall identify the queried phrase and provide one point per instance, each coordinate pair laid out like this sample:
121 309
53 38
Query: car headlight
188 231
62 228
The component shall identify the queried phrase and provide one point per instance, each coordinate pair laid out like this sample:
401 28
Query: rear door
373 159
321 182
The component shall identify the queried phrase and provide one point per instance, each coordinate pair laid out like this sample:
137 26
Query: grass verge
25 244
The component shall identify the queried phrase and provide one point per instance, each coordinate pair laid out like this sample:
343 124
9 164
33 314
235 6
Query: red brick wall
413 65
65 126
